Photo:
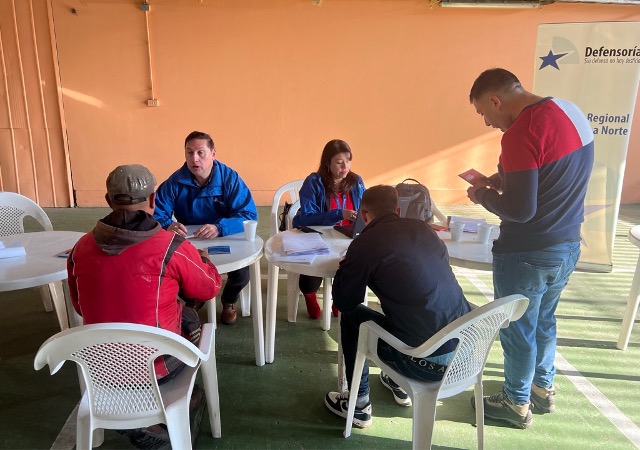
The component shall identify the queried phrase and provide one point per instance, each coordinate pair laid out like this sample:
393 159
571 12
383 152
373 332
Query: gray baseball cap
130 184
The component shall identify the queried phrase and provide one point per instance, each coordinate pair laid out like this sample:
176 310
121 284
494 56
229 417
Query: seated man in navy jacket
208 193
406 265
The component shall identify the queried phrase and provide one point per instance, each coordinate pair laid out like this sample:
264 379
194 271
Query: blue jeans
429 369
529 344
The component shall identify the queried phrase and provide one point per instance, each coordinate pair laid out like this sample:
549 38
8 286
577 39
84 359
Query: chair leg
292 296
355 386
98 437
479 413
210 380
424 418
245 300
179 428
84 432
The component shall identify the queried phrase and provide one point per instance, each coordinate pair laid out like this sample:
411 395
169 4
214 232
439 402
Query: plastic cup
484 233
250 227
456 230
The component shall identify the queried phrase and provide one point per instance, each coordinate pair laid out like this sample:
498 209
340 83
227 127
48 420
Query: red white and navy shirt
545 163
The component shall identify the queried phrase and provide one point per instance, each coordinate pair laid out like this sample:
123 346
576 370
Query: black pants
236 281
309 285
350 321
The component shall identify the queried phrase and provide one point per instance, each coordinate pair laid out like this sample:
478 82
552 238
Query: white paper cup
456 230
484 233
250 227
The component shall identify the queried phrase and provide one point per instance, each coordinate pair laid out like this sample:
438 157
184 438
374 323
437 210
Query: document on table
470 225
296 259
11 252
296 243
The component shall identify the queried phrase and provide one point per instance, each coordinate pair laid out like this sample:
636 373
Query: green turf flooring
281 405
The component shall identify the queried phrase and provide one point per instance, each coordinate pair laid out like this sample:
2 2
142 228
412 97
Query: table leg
256 306
272 304
326 304
631 310
245 300
293 293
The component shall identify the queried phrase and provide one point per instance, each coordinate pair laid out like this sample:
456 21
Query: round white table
324 266
243 253
468 252
40 265
634 296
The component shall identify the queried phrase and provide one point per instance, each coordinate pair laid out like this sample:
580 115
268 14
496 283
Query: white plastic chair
634 296
116 361
475 332
442 219
13 209
292 190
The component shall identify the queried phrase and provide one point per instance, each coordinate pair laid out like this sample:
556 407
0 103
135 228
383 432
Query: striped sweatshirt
545 164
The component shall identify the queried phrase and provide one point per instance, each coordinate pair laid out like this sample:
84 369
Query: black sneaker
338 403
399 395
543 400
499 407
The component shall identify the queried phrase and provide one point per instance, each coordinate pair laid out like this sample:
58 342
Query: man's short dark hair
380 200
492 80
199 135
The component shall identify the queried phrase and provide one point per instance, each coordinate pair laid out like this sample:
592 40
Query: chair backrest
475 332
117 364
442 219
292 212
14 208
292 189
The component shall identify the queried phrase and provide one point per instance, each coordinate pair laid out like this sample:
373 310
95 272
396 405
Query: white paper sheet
297 243
11 252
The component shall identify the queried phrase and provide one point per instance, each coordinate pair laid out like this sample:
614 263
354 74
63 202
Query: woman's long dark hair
330 150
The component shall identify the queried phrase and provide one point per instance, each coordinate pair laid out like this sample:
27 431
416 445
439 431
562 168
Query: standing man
208 193
406 265
538 193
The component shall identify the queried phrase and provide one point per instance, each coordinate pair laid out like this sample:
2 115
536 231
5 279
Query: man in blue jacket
208 193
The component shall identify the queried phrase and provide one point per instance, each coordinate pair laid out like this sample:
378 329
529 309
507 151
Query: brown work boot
543 399
229 314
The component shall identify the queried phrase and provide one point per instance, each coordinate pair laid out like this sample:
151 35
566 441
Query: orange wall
274 80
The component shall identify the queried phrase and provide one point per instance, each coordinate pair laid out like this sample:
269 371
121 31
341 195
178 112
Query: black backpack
414 200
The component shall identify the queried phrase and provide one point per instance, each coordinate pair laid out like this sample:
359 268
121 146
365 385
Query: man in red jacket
128 269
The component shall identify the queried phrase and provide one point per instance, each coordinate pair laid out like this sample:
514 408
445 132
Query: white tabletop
324 266
469 252
40 265
243 252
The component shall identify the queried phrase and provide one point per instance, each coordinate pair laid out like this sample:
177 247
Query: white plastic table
468 252
324 266
634 296
243 253
40 265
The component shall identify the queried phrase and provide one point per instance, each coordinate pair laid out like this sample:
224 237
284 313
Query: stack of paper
470 225
296 244
11 252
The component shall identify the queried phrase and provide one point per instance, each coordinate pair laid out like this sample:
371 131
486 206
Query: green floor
281 405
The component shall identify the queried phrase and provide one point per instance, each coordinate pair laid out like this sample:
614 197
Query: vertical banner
596 66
